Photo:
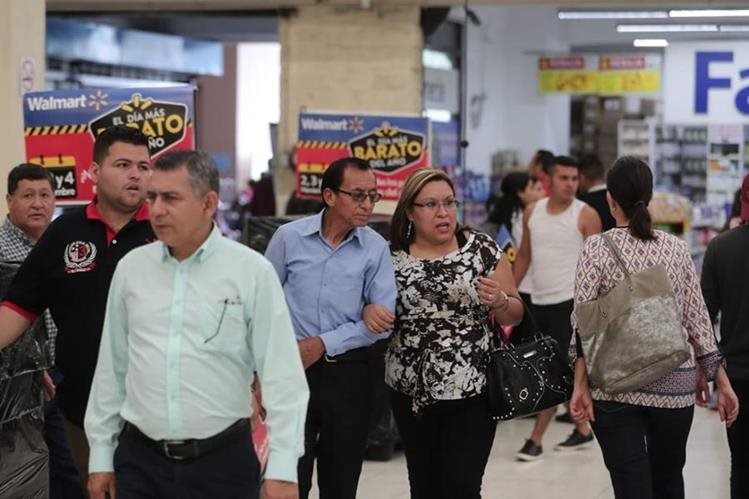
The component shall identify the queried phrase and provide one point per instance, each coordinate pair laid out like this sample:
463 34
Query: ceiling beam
238 5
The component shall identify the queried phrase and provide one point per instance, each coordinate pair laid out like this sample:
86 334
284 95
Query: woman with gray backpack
643 344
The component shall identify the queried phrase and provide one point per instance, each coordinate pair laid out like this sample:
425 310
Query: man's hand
276 489
49 386
311 350
378 318
101 484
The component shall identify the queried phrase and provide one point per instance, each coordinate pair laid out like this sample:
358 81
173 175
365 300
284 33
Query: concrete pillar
345 59
22 55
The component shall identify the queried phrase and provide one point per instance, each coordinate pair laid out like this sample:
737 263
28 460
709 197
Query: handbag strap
527 314
617 255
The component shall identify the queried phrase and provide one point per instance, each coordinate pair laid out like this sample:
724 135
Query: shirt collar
315 227
16 232
596 188
92 212
203 252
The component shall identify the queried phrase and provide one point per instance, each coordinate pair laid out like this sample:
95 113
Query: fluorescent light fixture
709 13
666 28
651 42
612 14
734 28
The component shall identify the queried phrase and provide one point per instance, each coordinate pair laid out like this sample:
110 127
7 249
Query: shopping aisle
575 475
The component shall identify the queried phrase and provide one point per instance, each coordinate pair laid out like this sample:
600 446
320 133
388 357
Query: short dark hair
630 183
28 171
117 133
592 167
567 161
200 167
546 160
332 178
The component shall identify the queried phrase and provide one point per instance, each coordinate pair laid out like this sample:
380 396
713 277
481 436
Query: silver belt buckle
330 359
168 454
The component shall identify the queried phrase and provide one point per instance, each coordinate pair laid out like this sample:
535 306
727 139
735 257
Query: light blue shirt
181 341
327 288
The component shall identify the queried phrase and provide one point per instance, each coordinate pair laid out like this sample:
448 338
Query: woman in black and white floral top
449 280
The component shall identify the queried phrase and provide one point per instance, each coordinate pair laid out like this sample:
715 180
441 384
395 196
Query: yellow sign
629 81
575 81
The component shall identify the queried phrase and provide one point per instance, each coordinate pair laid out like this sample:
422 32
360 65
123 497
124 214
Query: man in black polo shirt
71 266
593 189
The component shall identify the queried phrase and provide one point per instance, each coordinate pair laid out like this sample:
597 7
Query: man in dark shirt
725 286
71 266
593 189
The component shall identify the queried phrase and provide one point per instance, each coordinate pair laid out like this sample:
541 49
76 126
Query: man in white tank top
554 229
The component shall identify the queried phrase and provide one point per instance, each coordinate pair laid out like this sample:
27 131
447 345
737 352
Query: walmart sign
707 82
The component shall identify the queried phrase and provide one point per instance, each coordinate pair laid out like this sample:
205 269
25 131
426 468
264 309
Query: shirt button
114 241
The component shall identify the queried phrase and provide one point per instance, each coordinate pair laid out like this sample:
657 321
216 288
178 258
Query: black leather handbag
526 378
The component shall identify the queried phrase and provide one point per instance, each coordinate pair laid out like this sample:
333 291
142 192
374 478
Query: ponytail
630 183
640 222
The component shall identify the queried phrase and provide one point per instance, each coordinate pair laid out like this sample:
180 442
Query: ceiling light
651 42
666 28
710 13
734 28
612 14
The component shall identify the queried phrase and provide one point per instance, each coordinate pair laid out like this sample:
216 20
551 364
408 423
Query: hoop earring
409 230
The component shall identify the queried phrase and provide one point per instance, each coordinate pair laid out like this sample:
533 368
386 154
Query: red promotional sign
60 128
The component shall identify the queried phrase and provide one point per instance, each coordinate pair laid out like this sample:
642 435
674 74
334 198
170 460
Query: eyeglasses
361 196
431 205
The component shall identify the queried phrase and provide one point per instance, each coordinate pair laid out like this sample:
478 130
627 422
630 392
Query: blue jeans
64 482
644 448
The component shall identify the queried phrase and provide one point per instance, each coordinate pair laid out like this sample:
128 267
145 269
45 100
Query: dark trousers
335 433
738 441
447 447
64 482
644 448
554 320
231 471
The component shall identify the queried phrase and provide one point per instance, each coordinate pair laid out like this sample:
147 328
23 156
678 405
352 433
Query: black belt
190 448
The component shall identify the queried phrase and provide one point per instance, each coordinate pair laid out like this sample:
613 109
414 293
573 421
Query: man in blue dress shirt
331 265
189 320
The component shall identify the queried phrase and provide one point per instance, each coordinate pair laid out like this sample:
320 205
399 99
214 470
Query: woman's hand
490 293
728 402
377 318
703 389
581 405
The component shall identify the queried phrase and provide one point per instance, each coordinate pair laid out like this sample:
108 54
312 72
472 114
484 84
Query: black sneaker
575 441
530 451
563 418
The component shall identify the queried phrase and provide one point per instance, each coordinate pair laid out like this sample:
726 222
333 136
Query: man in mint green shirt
189 320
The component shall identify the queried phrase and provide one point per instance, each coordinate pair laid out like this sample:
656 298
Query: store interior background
256 68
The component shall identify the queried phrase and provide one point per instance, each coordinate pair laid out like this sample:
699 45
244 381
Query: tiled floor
575 475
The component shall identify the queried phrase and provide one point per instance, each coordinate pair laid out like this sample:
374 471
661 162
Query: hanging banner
60 128
627 74
604 75
393 145
575 74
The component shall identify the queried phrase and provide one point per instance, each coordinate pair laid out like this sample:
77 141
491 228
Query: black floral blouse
441 338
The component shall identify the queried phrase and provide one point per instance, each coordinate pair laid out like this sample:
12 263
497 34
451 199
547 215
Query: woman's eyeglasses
432 205
361 196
